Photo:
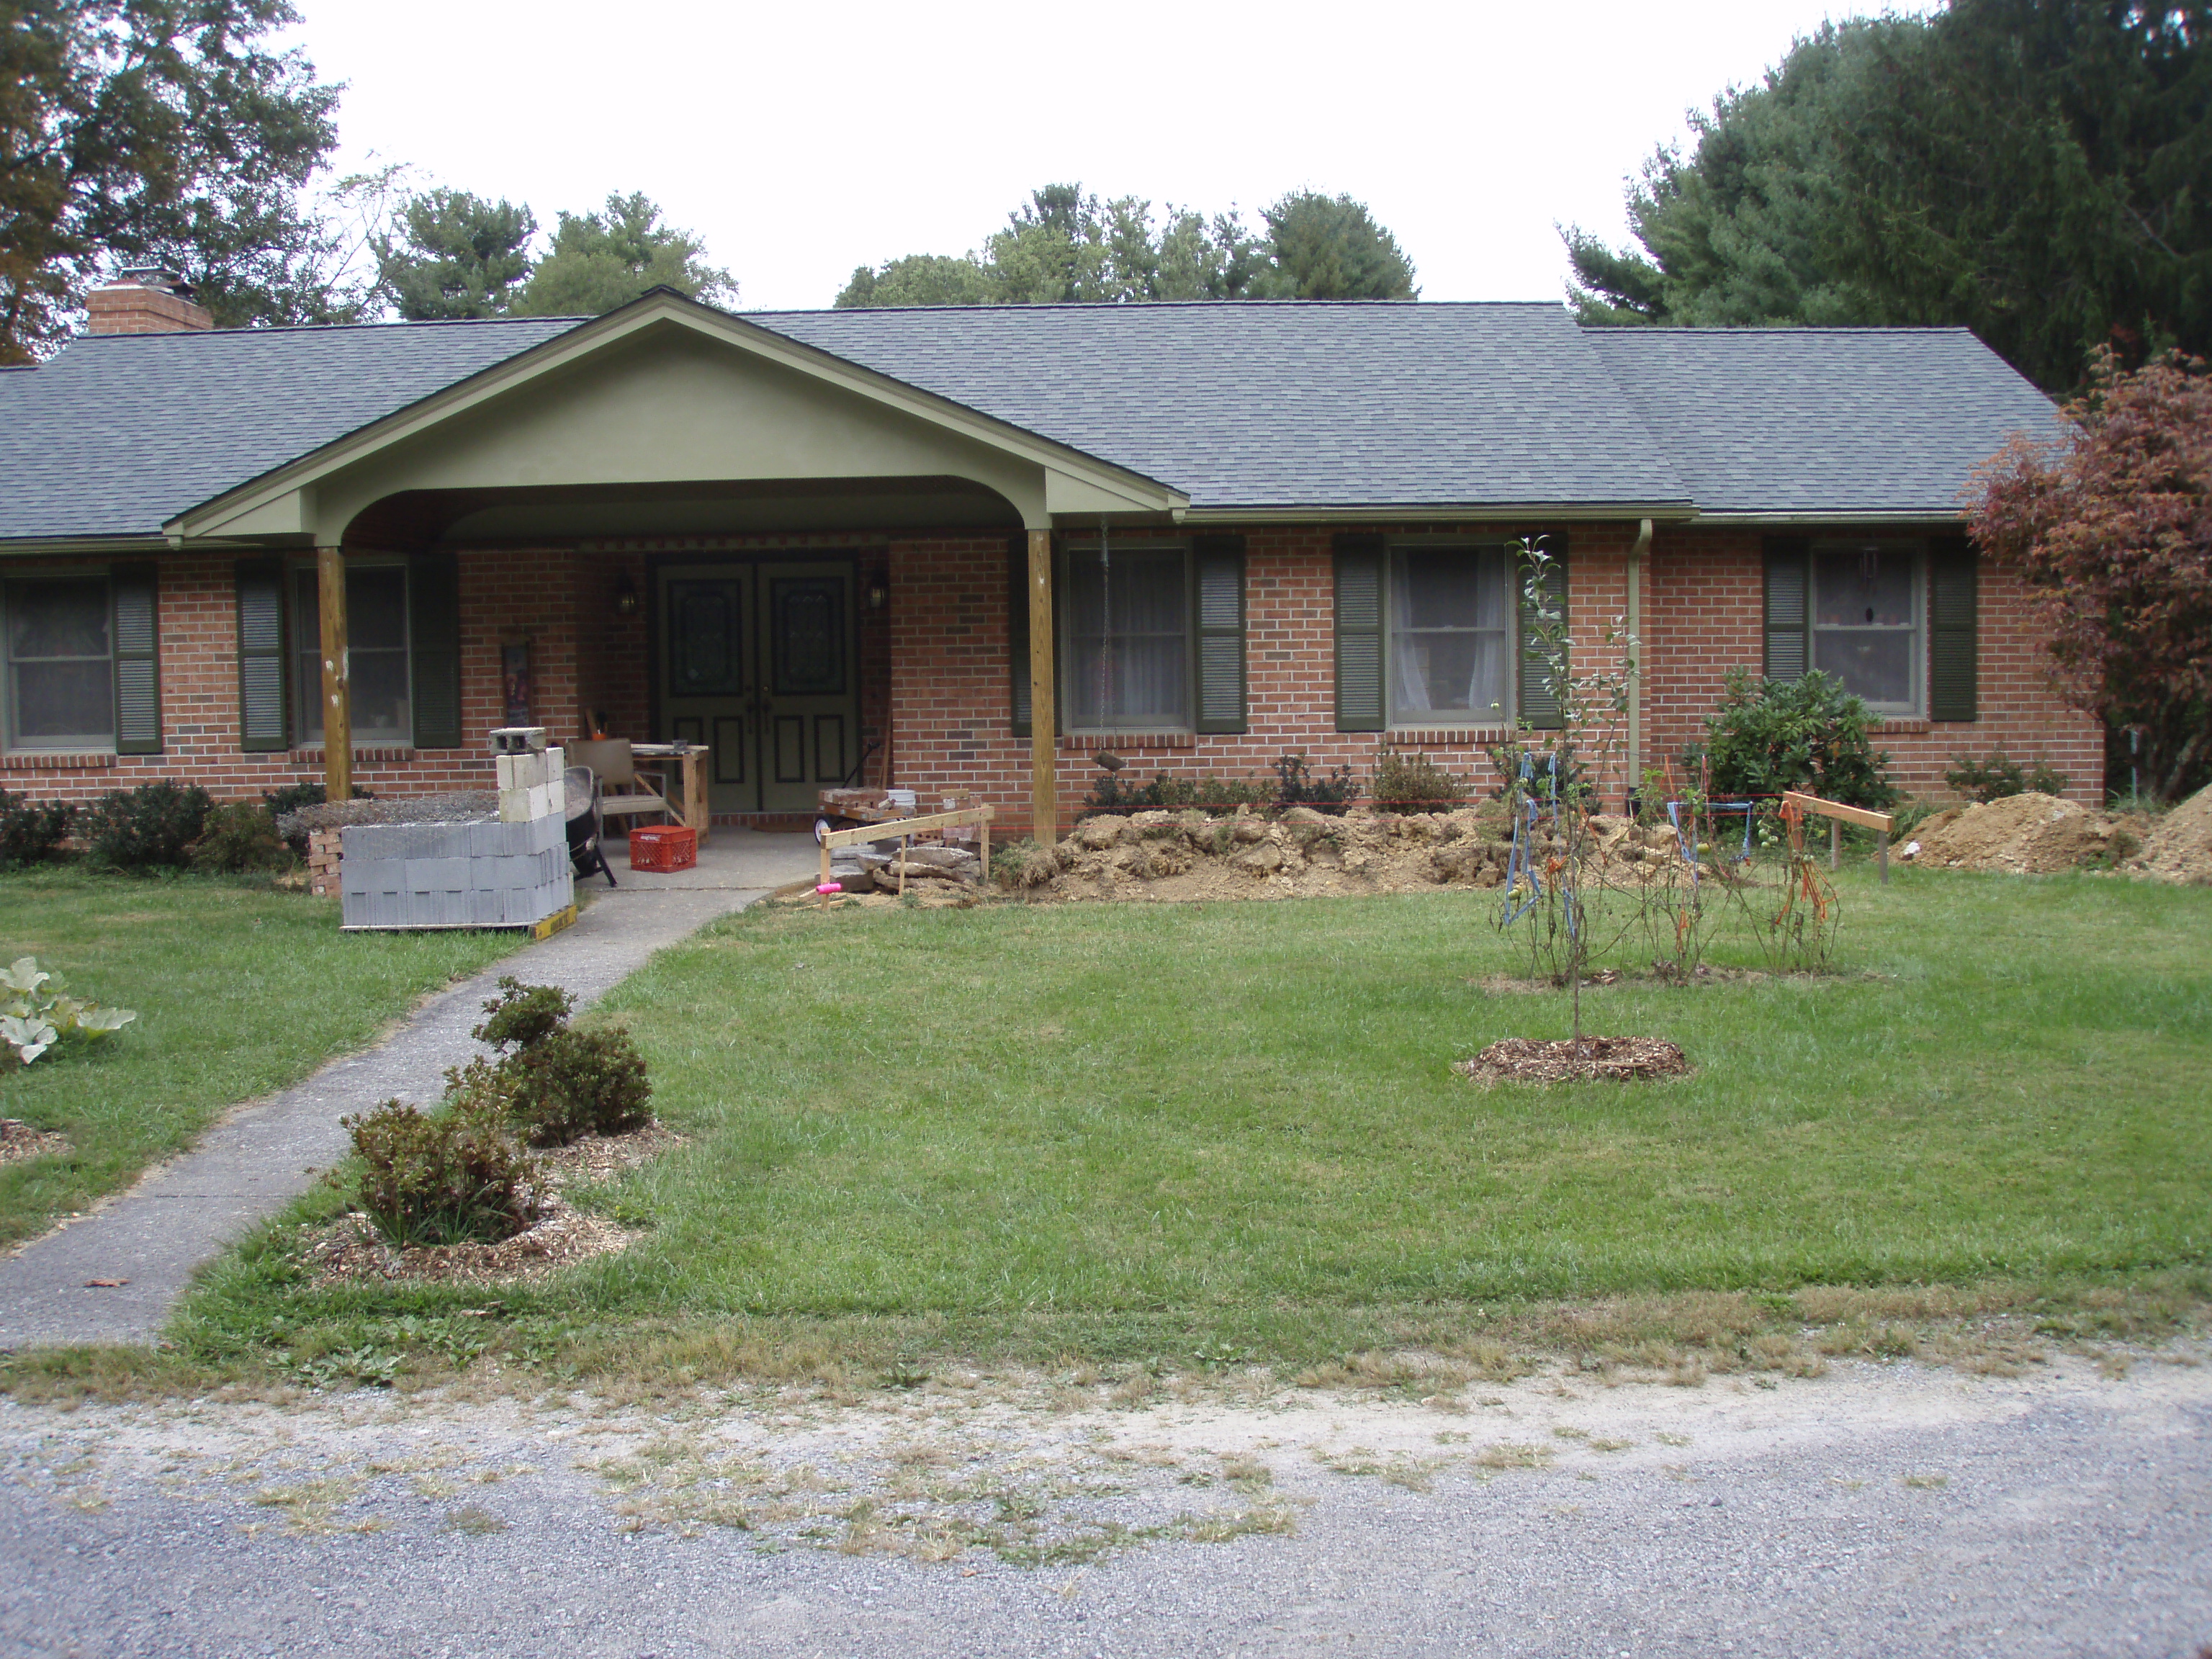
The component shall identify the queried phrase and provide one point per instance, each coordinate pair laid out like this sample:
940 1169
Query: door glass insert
809 645
706 639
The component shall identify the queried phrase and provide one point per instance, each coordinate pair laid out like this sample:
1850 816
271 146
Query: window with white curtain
1125 644
1450 635
1866 621
376 653
61 665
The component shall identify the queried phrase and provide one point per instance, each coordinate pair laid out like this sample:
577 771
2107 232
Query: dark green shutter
1359 702
434 628
1953 630
262 725
1788 607
1017 630
1217 584
1538 707
134 591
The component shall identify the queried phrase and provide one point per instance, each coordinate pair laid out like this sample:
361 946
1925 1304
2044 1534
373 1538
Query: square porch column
338 692
1044 786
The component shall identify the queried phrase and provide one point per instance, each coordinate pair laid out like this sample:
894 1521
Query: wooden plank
337 689
1044 725
1831 809
898 829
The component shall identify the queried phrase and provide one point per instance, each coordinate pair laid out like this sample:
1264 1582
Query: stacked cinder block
509 874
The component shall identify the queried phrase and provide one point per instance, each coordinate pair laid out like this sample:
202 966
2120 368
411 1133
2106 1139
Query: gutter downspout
1636 555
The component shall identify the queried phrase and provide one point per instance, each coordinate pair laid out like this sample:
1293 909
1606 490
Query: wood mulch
19 1142
351 1250
1526 1059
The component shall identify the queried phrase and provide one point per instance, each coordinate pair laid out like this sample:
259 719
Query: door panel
758 661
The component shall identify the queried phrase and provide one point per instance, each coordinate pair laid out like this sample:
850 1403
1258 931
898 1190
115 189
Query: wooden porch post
338 692
1044 791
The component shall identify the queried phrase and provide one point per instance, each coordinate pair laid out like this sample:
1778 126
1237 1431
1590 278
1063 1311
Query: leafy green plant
1109 793
240 835
282 803
36 1013
1332 794
1998 777
447 1177
1413 784
556 1080
1810 734
150 828
29 833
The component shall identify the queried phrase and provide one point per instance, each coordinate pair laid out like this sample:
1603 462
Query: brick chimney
144 300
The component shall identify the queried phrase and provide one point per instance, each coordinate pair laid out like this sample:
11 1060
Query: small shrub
1332 794
240 835
1023 863
1109 792
150 828
521 1015
556 1081
1772 735
577 1083
1998 777
1413 784
444 1178
29 833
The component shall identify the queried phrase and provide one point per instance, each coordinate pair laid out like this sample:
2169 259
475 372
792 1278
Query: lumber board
892 828
1834 809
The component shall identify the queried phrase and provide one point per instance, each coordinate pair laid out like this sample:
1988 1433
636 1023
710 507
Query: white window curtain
1127 638
1452 613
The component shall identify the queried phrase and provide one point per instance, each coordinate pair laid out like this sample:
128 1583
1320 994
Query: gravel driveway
1877 1509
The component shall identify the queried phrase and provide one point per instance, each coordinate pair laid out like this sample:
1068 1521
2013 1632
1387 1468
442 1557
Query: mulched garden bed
19 1142
351 1250
1525 1060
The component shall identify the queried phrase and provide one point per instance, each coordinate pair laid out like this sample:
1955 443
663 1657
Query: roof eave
1670 512
1755 518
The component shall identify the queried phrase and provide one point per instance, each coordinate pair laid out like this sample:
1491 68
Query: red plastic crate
663 847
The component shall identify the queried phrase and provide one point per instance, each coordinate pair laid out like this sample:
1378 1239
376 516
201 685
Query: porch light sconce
625 596
879 592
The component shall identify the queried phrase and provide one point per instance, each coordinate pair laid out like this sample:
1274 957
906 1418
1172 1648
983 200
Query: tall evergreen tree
455 255
2037 170
601 260
1329 247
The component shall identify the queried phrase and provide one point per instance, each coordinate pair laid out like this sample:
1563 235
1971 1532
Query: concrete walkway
261 1155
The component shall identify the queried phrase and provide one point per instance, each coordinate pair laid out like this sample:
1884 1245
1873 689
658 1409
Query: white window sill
1092 743
1445 734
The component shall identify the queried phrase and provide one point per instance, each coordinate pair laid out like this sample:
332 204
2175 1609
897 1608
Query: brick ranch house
873 545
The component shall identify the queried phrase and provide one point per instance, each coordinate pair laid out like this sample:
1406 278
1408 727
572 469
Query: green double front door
757 662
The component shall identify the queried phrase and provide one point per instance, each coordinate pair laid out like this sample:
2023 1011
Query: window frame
1064 659
1915 707
302 697
89 743
1503 717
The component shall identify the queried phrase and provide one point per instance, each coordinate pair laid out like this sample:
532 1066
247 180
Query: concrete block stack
511 873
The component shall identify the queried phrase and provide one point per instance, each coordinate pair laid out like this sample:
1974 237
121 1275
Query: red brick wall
936 678
1704 614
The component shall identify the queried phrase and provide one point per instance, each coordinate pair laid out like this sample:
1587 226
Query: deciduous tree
2113 530
158 132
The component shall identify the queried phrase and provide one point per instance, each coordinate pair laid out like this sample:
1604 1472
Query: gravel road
1877 1509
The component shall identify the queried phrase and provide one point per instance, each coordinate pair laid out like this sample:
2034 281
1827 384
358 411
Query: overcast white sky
801 140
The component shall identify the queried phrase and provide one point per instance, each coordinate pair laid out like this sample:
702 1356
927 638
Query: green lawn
1238 1122
239 990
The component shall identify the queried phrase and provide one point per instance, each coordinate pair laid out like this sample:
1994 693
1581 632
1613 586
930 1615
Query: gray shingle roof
1239 406
1286 405
1813 421
120 433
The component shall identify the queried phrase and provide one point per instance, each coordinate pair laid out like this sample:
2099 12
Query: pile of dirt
351 1249
1526 1059
2027 834
19 1142
2180 845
